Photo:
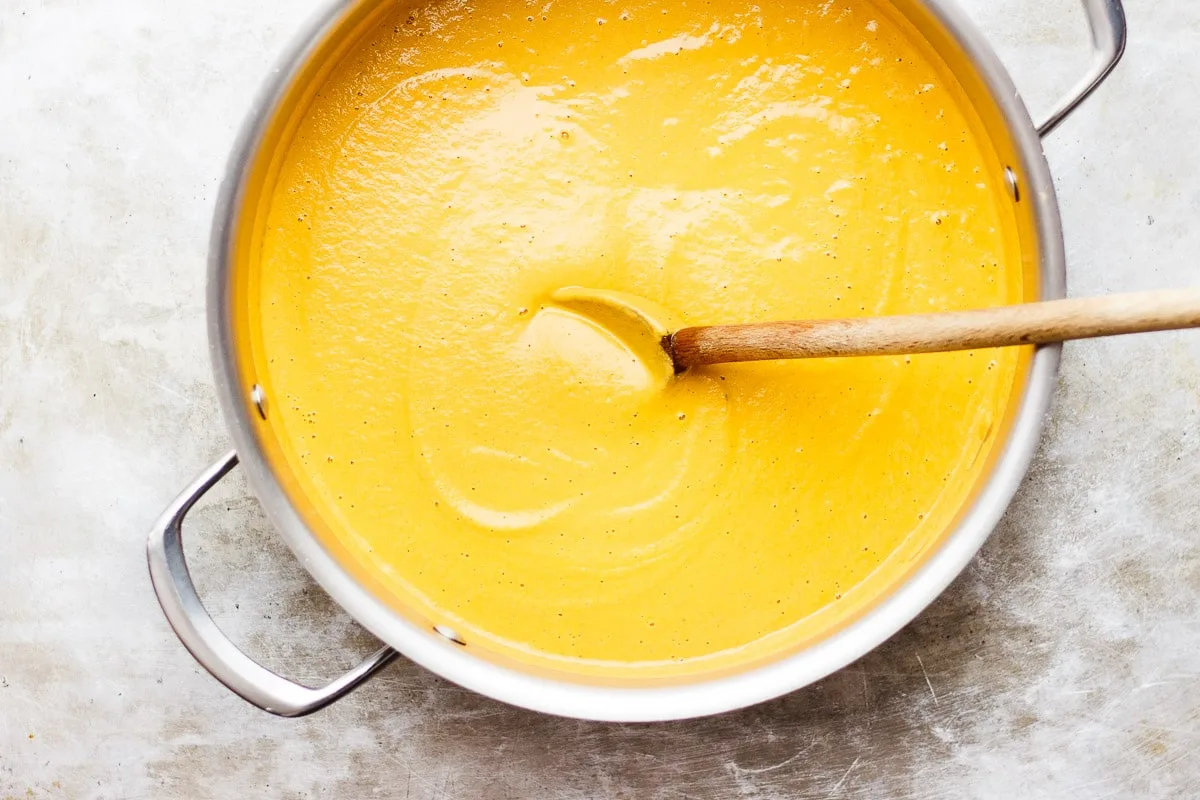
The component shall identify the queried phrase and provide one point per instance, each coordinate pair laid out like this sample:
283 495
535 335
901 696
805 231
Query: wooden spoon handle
1028 323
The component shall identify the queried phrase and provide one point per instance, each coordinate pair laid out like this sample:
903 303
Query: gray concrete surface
1065 662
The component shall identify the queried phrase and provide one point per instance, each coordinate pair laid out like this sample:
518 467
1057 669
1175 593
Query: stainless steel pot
1015 139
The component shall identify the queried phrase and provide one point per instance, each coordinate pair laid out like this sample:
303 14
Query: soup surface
508 468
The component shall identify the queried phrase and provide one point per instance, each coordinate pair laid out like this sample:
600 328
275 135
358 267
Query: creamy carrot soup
510 470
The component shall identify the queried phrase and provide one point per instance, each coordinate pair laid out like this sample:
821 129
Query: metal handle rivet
259 398
450 634
1014 188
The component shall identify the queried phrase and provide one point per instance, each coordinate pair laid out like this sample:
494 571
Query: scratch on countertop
927 681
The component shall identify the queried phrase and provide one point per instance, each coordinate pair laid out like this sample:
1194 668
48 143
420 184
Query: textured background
1065 662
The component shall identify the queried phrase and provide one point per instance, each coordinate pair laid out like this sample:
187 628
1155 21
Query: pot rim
699 697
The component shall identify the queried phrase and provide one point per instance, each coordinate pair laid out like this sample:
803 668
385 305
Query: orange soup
516 475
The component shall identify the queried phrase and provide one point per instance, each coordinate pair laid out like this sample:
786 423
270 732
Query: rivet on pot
259 398
1014 188
450 634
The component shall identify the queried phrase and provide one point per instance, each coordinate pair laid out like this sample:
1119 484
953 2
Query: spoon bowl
642 325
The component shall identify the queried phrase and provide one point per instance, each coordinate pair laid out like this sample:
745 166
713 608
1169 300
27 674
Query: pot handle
204 640
1107 21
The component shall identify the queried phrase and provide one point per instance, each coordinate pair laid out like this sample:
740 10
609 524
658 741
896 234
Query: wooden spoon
638 322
